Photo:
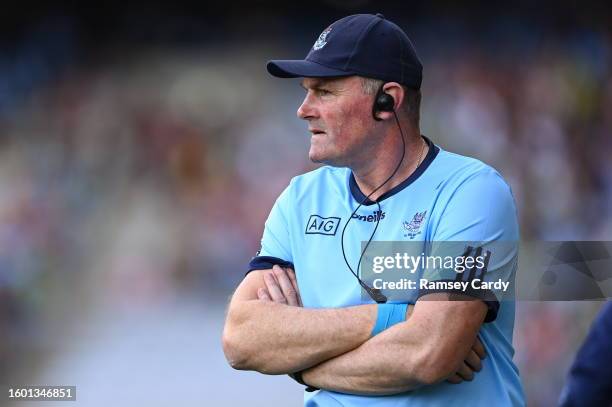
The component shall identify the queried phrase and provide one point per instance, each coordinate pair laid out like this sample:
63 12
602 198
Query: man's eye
323 92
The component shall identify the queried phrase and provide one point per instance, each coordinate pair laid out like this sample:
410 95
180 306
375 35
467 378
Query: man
300 309
589 382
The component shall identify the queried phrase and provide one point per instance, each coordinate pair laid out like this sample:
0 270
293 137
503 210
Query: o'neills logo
374 217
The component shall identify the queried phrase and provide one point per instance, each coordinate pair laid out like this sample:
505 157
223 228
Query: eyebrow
317 84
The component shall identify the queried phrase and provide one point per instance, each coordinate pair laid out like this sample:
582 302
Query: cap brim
302 68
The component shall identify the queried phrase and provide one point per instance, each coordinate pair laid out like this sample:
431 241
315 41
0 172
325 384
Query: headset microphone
374 293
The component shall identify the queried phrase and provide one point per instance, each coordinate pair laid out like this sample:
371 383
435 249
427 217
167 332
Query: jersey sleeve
479 226
275 242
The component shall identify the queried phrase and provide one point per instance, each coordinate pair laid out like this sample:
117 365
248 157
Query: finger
286 285
473 361
478 347
293 279
263 295
454 379
465 372
409 310
274 289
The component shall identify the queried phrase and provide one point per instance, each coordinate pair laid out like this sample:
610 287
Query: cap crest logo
321 41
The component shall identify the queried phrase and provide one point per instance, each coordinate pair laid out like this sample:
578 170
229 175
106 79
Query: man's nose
306 110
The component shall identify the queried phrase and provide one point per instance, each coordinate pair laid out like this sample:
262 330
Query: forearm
386 364
275 338
425 350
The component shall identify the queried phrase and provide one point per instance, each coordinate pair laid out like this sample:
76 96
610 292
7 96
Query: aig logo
318 225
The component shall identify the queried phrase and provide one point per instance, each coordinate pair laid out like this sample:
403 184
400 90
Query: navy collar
359 196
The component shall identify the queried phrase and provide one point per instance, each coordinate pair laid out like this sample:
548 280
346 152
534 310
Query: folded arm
434 345
277 338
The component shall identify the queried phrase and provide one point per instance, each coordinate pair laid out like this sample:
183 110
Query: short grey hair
370 86
412 98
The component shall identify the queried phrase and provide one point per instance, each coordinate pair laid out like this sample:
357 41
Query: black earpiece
382 103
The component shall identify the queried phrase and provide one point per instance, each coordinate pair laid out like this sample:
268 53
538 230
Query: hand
470 365
281 287
409 311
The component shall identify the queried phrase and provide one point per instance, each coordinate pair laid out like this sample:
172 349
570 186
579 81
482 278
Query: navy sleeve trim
267 262
487 296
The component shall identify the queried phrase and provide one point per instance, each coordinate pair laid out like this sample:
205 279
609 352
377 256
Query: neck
370 176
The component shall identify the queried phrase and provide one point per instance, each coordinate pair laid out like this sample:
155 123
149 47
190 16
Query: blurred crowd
146 174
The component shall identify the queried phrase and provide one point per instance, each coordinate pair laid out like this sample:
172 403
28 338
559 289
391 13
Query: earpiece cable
373 292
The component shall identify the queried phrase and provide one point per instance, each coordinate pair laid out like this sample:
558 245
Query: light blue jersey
448 198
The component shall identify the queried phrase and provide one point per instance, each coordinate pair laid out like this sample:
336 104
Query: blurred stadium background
142 147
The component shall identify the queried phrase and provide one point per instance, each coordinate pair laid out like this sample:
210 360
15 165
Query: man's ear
396 91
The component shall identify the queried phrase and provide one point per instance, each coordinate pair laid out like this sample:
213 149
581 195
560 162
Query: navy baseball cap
362 44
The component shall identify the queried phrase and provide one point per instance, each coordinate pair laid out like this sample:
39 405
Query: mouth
316 132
